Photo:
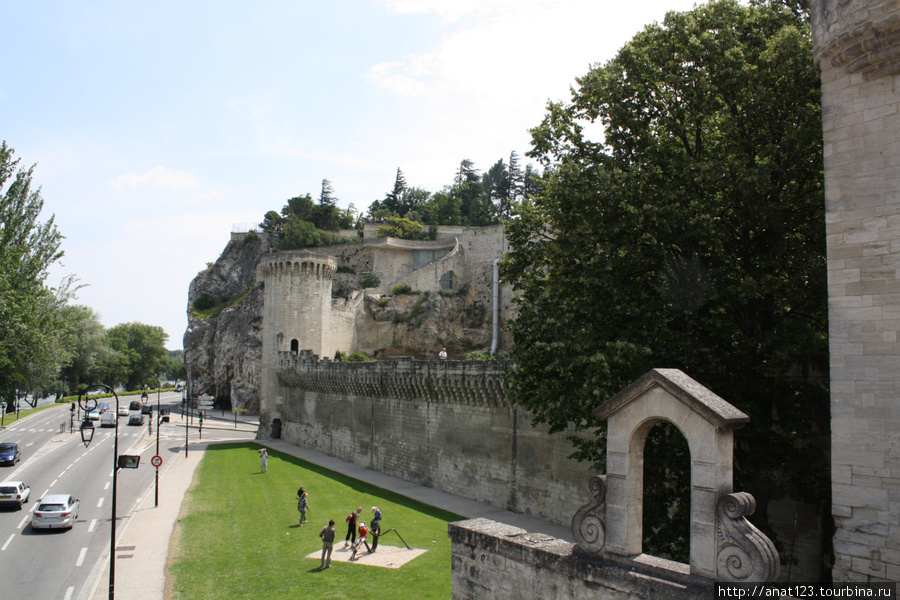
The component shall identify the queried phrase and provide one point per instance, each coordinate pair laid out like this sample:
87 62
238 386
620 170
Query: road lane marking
92 526
99 504
81 556
106 487
24 519
54 482
69 593
61 474
45 492
7 542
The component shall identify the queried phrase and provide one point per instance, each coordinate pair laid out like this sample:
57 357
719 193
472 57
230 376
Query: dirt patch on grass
389 557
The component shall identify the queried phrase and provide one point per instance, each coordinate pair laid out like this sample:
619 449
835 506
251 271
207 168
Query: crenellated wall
443 424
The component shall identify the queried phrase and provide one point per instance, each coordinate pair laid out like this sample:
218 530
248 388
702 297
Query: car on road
108 419
134 405
135 418
14 493
10 453
92 415
123 411
55 511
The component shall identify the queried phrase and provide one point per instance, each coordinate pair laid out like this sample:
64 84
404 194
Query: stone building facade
857 52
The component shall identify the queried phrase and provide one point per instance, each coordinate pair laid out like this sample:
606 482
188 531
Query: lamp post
87 434
156 498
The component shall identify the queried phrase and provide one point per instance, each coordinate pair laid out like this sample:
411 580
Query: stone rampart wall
492 560
443 424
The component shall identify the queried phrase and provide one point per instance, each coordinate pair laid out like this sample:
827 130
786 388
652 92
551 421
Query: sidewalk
142 543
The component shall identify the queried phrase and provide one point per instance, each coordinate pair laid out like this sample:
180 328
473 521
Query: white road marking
22 523
92 526
99 504
69 593
45 492
54 482
81 556
61 474
7 543
106 487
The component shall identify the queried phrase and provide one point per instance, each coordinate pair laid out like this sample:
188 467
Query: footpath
143 536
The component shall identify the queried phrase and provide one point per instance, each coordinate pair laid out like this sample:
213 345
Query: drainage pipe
495 339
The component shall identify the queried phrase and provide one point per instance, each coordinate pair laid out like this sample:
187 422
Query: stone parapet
493 560
463 382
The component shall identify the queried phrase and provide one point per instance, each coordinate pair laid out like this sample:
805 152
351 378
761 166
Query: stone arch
295 346
612 523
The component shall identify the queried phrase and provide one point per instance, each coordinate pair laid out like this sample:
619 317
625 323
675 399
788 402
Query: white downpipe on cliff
495 339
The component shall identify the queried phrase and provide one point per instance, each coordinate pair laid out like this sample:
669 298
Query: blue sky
156 127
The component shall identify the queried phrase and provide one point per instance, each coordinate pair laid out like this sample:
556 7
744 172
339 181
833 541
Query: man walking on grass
327 535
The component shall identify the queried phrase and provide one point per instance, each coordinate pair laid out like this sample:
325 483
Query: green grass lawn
239 536
10 418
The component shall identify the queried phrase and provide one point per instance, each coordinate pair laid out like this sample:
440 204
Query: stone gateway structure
857 52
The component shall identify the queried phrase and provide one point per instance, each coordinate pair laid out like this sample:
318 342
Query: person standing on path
352 520
327 535
303 506
375 527
264 460
442 354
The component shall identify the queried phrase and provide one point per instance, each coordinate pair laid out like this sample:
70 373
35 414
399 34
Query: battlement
299 264
459 381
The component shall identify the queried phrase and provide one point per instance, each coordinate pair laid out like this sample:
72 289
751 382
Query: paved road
64 564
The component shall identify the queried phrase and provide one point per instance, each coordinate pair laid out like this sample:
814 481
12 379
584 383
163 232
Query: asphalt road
62 564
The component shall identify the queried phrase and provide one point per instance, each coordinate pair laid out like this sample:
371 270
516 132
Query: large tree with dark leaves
690 236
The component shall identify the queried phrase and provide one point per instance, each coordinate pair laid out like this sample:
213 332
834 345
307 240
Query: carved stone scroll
745 553
588 523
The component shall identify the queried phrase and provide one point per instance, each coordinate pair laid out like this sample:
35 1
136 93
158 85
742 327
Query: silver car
55 511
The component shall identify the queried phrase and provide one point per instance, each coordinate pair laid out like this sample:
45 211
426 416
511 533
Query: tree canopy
690 236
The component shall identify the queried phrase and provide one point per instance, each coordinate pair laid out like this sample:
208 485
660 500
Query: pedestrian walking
363 534
375 527
303 506
352 519
327 535
263 460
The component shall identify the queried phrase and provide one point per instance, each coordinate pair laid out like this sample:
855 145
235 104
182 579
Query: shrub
355 357
383 302
346 269
480 355
369 281
204 302
401 289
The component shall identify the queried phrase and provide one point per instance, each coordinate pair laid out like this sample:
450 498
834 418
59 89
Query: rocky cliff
222 344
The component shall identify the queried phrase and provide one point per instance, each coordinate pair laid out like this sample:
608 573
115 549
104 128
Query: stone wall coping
391 242
649 576
694 395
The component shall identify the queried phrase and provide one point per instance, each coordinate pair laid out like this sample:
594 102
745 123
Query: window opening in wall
447 281
295 346
276 429
667 493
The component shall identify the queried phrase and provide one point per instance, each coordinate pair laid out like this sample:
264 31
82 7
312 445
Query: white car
123 411
55 511
14 493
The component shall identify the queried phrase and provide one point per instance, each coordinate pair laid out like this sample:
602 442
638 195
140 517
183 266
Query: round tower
857 52
296 314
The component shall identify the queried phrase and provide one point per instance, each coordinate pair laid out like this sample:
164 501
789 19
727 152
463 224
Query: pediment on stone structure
688 391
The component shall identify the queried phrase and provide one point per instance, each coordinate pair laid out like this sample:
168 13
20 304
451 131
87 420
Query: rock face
222 349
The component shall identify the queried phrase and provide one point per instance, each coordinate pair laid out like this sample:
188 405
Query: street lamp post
156 498
87 434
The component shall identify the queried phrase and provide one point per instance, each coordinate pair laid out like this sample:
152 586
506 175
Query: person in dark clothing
327 535
352 519
375 527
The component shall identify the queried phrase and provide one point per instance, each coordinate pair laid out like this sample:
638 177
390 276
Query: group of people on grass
357 531
354 525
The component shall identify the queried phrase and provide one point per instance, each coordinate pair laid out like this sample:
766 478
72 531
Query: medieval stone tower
296 311
857 51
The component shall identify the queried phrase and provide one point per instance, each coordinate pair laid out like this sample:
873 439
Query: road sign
156 461
238 410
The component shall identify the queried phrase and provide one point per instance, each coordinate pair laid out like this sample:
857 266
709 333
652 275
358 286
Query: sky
158 128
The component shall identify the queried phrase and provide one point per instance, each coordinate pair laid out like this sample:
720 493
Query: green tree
143 350
86 336
400 227
28 348
692 236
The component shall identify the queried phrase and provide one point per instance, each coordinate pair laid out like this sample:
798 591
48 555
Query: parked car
14 493
135 418
123 411
55 511
108 419
10 453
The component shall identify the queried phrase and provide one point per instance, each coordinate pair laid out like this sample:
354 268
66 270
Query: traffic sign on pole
156 461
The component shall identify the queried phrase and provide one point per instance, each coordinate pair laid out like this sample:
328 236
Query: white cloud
157 177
